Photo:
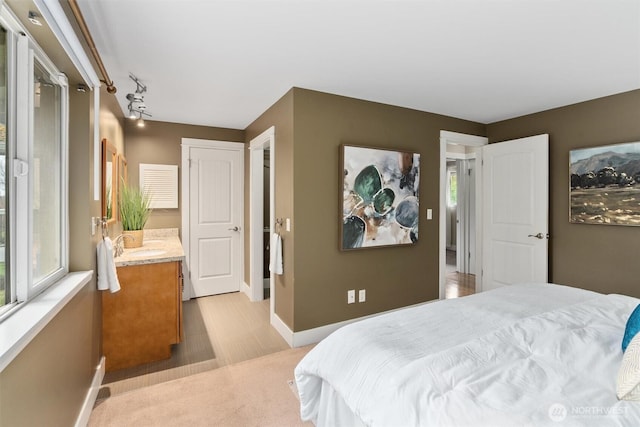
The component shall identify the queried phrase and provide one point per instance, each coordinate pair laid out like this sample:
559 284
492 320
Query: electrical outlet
351 296
362 295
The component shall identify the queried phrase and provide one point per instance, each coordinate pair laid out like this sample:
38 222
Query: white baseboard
92 394
246 289
282 329
315 335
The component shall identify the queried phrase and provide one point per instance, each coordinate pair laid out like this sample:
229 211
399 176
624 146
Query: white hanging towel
276 256
103 282
107 276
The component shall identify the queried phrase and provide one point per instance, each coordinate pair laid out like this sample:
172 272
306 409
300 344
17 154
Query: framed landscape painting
379 197
605 184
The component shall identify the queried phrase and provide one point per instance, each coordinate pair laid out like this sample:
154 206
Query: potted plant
134 212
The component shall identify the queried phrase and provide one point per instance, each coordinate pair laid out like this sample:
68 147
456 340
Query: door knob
234 229
537 236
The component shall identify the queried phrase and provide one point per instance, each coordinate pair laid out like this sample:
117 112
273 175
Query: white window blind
160 182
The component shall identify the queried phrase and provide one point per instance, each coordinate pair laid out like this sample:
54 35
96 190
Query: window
47 177
5 290
33 168
452 187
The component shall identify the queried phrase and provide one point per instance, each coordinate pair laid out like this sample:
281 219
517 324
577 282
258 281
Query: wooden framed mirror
109 183
123 177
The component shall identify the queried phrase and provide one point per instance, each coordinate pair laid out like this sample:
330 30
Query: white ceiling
224 62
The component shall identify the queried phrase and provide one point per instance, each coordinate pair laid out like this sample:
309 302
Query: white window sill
22 326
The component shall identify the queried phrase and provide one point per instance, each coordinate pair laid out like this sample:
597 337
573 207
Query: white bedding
523 355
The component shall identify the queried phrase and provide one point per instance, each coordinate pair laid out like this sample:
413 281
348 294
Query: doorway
460 220
460 238
262 216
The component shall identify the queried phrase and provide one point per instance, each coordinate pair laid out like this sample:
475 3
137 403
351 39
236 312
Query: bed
521 355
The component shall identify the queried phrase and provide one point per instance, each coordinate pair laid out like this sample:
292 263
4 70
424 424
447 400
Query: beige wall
597 257
279 115
46 384
393 276
159 143
111 121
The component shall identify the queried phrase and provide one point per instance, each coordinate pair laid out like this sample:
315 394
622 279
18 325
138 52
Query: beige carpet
251 393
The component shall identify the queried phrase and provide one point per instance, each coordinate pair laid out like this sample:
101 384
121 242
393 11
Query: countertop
159 245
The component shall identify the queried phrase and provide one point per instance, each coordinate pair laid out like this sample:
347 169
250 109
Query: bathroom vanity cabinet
143 319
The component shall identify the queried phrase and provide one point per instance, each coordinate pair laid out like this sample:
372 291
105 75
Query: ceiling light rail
137 107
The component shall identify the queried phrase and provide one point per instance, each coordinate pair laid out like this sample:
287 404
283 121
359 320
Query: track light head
135 97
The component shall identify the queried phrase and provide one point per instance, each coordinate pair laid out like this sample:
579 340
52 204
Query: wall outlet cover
351 296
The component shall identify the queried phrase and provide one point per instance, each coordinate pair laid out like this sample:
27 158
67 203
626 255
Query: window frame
22 54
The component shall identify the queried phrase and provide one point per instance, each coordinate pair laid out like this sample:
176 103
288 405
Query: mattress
521 355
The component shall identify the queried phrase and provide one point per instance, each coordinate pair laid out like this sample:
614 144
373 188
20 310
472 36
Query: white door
515 217
215 219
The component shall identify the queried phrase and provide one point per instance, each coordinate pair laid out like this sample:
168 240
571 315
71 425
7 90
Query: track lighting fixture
137 107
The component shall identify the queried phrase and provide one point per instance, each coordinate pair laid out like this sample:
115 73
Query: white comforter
525 355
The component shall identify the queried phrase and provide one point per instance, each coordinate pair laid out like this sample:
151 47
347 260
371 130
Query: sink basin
147 252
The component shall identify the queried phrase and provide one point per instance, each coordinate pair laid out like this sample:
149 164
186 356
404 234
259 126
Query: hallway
457 284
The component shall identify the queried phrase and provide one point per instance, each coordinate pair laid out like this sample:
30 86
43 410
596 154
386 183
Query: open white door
515 212
214 209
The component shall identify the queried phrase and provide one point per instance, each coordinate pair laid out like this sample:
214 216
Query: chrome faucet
118 247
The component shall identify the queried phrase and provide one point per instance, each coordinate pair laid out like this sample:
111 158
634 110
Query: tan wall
597 257
393 276
111 129
279 115
159 143
111 121
46 384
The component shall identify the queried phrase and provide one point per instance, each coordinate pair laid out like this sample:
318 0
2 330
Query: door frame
186 145
257 147
448 137
463 216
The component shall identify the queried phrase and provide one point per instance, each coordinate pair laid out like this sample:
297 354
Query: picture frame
379 197
604 184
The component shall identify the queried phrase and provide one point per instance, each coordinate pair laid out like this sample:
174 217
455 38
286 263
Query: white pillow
628 383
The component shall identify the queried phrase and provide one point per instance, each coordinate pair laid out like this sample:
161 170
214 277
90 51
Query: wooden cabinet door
179 289
140 322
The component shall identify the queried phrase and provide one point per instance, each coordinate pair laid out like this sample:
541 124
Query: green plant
134 207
